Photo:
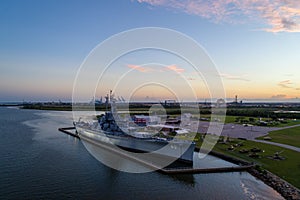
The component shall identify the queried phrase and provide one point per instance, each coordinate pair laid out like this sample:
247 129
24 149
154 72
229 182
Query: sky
253 43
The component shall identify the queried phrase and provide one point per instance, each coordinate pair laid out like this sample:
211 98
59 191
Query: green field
290 136
254 120
289 123
288 169
230 119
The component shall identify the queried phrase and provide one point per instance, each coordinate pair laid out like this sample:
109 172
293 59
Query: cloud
285 84
175 68
234 77
139 68
149 69
279 96
288 84
277 15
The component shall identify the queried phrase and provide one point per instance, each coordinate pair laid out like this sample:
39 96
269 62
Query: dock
206 170
188 170
68 132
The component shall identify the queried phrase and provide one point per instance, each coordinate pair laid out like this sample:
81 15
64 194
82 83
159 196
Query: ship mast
106 102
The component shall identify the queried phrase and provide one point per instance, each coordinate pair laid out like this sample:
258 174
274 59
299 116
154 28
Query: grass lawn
288 169
289 123
232 119
290 136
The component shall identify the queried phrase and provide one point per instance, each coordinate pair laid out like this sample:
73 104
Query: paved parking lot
232 130
240 131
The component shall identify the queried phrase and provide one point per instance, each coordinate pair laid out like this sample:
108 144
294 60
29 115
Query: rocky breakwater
287 190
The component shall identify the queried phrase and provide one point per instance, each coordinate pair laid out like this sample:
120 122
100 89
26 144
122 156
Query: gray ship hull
177 151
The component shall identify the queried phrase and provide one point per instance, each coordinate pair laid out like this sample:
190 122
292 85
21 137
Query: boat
158 139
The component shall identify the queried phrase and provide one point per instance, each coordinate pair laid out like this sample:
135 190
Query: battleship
157 138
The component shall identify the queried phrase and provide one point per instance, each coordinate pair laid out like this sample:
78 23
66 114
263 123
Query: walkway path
280 128
247 132
279 144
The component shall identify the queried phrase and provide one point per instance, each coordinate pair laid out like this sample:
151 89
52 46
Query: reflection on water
187 179
252 190
38 161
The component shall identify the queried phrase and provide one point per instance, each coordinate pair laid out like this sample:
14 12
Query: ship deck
172 170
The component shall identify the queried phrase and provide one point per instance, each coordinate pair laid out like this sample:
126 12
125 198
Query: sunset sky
255 44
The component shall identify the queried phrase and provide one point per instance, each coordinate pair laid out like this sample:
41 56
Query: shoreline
284 188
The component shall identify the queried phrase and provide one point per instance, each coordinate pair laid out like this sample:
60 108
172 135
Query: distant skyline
254 44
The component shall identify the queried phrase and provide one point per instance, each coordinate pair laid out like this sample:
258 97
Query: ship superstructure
111 129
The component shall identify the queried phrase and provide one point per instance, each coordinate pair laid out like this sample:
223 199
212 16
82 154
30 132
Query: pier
205 170
243 167
68 132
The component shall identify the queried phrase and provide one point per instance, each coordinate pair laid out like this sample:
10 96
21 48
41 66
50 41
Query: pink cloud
175 68
149 69
139 68
277 15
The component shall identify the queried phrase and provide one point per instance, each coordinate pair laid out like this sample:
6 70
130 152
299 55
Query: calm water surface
39 162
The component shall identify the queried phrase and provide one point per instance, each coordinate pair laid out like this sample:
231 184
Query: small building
143 120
